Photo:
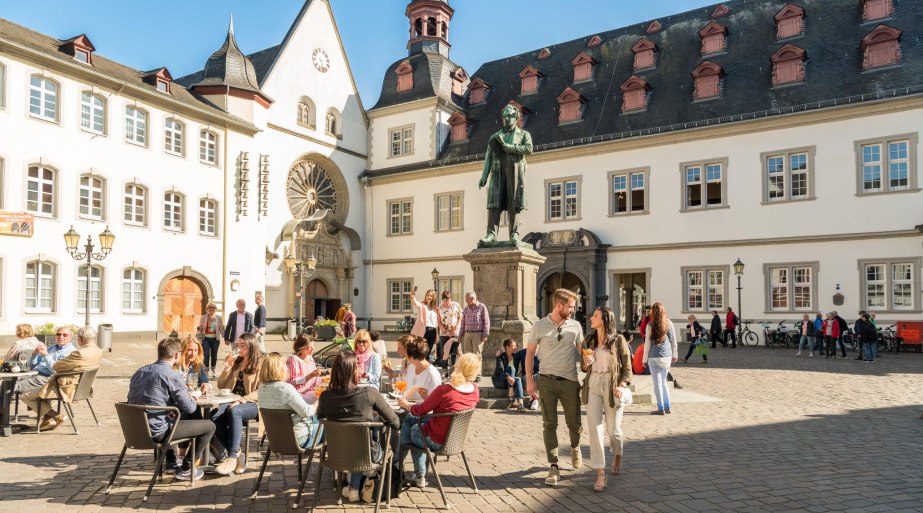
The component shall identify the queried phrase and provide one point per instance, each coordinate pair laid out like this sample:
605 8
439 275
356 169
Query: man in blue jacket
239 322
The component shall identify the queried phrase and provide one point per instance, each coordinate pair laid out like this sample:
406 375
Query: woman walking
209 331
831 330
606 362
659 353
349 321
697 334
427 318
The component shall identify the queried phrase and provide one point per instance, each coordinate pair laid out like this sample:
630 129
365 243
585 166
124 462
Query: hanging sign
17 224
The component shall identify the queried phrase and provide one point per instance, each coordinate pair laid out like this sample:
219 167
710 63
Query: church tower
429 26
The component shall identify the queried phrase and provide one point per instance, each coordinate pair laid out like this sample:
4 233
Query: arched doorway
317 301
184 300
563 280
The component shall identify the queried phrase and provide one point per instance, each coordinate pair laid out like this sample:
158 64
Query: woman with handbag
605 392
349 321
660 352
427 318
699 344
209 333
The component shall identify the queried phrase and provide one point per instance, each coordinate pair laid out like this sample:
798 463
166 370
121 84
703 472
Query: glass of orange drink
400 385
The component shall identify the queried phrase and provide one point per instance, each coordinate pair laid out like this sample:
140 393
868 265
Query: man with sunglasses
557 339
43 360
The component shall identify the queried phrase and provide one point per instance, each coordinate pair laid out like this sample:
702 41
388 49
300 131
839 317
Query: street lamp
72 240
301 270
435 275
739 271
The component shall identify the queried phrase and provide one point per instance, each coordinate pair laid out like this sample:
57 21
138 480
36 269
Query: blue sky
182 34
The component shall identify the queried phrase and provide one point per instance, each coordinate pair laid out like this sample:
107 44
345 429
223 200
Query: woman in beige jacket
241 375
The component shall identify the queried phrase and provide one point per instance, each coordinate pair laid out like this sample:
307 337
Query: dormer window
881 47
571 106
713 38
720 11
459 81
644 51
80 47
159 78
583 67
789 22
404 76
594 41
477 91
876 9
788 65
634 94
530 78
460 127
163 86
82 56
544 54
654 27
707 79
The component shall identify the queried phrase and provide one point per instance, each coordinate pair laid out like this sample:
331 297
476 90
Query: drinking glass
24 360
400 385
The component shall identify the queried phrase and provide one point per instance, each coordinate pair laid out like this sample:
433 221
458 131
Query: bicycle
888 341
407 324
748 337
778 336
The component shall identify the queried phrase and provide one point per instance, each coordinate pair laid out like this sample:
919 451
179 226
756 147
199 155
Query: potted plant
326 329
45 333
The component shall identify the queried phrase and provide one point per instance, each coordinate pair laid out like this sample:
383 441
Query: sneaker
418 481
868 361
241 465
798 353
576 457
226 467
667 410
811 355
705 361
186 475
534 405
171 467
212 375
553 475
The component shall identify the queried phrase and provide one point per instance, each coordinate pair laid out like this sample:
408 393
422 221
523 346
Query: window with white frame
887 165
40 286
96 289
401 217
43 98
455 285
563 200
398 295
135 211
791 287
92 113
788 175
704 288
208 147
173 132
173 211
402 141
891 285
135 125
92 197
40 191
449 212
629 192
208 216
704 184
133 290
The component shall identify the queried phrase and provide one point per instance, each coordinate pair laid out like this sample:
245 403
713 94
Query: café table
7 385
213 400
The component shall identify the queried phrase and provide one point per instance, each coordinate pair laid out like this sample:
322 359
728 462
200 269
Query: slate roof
432 76
833 33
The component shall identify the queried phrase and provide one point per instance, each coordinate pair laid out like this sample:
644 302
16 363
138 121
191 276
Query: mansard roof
833 43
432 78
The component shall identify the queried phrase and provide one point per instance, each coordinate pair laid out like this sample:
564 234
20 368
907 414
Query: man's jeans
870 351
805 341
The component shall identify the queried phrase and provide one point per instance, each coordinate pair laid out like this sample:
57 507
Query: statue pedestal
505 281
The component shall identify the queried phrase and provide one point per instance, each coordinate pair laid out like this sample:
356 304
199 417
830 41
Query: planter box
325 332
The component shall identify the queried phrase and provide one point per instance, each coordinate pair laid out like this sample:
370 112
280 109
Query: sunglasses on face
362 341
61 334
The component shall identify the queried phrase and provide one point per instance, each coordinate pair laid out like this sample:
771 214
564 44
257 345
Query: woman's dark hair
376 335
446 294
417 348
256 356
659 323
508 342
303 341
343 371
609 328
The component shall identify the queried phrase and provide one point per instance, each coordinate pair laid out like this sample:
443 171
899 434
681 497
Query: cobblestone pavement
786 434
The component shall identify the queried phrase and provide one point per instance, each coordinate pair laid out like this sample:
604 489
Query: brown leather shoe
48 424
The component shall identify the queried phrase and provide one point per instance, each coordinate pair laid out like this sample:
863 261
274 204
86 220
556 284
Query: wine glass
191 381
24 360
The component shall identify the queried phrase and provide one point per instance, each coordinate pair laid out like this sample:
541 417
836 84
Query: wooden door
314 291
182 305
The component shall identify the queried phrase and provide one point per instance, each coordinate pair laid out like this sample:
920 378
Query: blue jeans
659 377
805 341
870 348
355 478
229 424
412 434
210 352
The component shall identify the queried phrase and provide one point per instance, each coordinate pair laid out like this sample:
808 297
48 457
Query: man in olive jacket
504 174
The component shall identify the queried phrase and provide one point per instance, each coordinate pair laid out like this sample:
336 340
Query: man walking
239 322
475 326
843 327
715 330
259 322
730 327
557 338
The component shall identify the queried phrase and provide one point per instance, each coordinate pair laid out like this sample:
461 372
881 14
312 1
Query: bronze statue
505 167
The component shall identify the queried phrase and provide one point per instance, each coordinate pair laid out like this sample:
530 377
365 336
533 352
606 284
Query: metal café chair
348 448
137 433
83 392
280 433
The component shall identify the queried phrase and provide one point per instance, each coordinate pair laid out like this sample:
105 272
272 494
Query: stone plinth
505 281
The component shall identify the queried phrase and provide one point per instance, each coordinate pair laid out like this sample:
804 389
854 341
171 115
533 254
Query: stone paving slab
785 433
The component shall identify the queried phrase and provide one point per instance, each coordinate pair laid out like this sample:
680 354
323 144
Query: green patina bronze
504 175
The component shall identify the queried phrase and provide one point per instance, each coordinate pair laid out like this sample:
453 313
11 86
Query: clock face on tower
321 60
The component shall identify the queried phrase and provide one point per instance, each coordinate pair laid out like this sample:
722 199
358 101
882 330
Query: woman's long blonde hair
199 362
467 368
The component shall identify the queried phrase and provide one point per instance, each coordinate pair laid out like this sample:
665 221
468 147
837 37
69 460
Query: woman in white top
421 375
401 372
26 342
427 320
660 351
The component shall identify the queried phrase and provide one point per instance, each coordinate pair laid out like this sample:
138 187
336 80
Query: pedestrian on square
25 343
660 351
807 334
450 314
868 336
644 320
606 360
209 331
505 377
240 322
819 333
259 322
715 330
697 334
730 328
831 331
241 375
557 338
857 329
844 326
475 326
349 321
427 318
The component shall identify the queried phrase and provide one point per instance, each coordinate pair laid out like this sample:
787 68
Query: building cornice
316 141
424 103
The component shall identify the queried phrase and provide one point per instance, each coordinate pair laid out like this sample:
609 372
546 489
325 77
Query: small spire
231 25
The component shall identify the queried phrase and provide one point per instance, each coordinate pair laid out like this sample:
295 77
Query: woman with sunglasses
606 362
369 361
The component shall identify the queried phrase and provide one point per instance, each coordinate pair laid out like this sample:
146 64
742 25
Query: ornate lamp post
301 270
72 239
739 271
435 275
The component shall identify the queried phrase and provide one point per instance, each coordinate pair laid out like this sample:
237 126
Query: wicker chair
83 393
137 433
454 444
281 436
347 448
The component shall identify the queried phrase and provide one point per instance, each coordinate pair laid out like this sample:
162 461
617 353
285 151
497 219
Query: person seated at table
386 365
422 377
157 384
378 345
241 376
369 360
345 401
192 364
303 373
43 359
26 343
505 377
276 393
85 356
459 394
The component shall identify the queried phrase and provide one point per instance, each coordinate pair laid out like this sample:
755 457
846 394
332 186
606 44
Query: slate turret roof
432 76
